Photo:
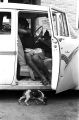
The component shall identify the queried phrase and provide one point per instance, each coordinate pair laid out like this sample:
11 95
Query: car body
65 49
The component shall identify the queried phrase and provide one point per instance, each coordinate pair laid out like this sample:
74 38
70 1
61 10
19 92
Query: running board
23 85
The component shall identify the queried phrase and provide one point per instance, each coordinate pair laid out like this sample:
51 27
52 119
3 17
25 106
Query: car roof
19 6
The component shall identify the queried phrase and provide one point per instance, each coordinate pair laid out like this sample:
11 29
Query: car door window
60 24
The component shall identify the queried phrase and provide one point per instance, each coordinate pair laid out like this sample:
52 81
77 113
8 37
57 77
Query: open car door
66 81
55 56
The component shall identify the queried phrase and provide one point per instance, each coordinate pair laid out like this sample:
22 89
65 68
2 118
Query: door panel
65 82
55 54
7 47
6 68
71 75
7 43
7 60
55 63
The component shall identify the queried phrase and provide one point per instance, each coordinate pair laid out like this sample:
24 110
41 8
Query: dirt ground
59 107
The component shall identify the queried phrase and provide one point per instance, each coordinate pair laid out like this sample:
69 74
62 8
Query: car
59 51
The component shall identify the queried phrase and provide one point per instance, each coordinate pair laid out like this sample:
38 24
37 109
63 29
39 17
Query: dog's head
35 93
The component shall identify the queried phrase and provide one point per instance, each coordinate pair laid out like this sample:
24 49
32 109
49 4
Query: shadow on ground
13 94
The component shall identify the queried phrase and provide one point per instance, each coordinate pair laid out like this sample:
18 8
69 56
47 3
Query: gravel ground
59 107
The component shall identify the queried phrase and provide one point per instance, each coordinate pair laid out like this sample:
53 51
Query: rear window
5 23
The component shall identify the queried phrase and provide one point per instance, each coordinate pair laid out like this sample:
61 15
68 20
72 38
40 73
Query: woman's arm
24 31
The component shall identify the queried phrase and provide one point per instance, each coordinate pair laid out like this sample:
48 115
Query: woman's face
21 26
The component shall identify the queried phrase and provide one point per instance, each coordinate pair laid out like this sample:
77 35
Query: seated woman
31 59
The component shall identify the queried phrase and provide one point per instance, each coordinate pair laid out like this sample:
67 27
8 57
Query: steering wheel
38 33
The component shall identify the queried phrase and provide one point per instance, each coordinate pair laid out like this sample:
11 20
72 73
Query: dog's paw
19 101
45 101
27 104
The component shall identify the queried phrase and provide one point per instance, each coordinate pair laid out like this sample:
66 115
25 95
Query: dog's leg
26 100
42 97
42 94
21 98
27 96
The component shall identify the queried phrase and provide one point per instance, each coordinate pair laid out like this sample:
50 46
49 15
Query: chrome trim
8 52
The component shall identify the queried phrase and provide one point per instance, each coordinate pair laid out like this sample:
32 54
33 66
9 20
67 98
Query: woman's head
23 22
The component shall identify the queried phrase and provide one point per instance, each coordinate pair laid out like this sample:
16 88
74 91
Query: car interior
38 39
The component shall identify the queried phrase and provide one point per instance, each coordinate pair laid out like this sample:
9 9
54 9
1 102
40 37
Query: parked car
59 51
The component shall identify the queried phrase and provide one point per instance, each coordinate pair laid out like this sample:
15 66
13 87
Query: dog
35 95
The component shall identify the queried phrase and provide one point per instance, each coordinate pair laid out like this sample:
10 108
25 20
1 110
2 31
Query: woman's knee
35 57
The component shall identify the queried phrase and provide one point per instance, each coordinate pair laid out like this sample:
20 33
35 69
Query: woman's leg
41 66
30 62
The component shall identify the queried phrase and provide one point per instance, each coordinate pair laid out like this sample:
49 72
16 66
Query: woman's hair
23 21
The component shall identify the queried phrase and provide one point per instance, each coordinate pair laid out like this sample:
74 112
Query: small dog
36 95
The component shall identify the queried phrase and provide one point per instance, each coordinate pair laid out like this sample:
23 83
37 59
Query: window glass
1 0
55 28
5 22
60 24
36 20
